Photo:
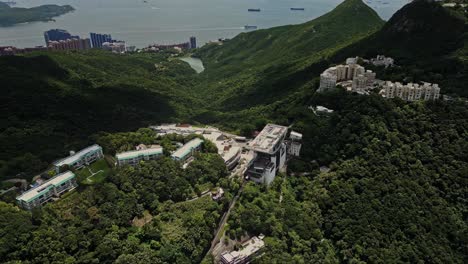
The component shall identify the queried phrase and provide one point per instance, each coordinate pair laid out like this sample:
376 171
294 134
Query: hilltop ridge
281 55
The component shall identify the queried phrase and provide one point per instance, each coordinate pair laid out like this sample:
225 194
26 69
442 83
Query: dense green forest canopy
396 191
15 15
97 224
52 103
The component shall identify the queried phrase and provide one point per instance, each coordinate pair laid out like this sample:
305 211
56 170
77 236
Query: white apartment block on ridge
411 91
361 79
45 192
81 158
142 152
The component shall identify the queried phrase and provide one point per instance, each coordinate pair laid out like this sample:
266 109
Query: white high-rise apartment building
411 91
348 72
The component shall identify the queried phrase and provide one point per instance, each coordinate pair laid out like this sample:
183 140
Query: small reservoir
195 63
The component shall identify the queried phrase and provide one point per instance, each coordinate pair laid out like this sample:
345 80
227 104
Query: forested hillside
260 67
52 103
395 192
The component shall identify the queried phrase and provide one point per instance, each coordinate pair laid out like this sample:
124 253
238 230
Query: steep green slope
261 66
52 103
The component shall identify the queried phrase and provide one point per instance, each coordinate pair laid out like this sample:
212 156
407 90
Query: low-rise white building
142 153
43 193
81 158
187 150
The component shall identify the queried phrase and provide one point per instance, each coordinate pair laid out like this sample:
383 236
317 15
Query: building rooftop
187 148
142 152
43 188
295 135
226 148
71 159
268 138
249 248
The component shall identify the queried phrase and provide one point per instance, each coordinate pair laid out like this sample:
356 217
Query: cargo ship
253 9
297 8
250 27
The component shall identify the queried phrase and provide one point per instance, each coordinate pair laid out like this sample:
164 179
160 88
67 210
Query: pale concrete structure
142 153
349 72
411 91
81 158
46 191
249 250
269 151
295 144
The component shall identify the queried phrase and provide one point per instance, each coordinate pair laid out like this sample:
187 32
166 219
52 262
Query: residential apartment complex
187 150
354 77
269 154
57 35
70 44
248 251
81 158
45 192
360 78
411 91
134 157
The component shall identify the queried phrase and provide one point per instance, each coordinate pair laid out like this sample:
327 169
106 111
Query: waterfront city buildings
57 35
50 189
411 91
187 150
70 44
247 252
193 42
116 46
81 158
269 154
99 39
10 50
142 153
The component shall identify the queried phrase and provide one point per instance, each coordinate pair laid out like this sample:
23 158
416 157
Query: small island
10 16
